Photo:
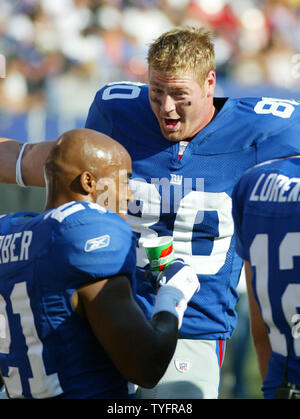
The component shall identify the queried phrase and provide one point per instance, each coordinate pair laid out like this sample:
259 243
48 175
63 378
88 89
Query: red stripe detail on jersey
221 352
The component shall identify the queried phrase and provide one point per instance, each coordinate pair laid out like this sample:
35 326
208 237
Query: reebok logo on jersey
97 243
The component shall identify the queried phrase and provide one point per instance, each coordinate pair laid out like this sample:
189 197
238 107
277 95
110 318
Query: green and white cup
160 252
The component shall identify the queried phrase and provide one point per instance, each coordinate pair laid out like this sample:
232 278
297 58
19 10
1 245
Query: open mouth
171 124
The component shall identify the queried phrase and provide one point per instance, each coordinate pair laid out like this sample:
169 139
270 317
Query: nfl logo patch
182 366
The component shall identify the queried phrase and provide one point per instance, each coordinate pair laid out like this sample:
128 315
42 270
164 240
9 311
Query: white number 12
289 247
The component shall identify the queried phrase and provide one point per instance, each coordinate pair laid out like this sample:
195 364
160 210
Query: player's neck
212 115
54 201
207 121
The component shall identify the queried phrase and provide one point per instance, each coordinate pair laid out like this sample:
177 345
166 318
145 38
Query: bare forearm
263 352
258 329
141 351
150 351
166 329
33 160
9 151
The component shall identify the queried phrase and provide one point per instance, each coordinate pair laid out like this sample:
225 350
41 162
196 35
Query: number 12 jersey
266 210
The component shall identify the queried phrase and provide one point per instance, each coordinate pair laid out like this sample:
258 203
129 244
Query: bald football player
69 274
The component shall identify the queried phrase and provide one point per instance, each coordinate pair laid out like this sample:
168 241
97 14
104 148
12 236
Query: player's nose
168 104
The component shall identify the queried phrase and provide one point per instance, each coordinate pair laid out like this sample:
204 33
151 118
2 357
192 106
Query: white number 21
41 384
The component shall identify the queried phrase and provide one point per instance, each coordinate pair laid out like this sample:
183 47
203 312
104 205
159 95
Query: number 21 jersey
47 349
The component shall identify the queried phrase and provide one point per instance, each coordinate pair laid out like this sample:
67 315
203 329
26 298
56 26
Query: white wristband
19 178
170 299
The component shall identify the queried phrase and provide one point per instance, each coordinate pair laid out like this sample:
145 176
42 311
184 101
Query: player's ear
88 182
210 83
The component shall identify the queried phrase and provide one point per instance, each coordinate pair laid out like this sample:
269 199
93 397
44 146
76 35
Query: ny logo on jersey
97 243
175 179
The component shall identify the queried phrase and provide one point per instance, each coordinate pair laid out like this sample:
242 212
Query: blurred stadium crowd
59 52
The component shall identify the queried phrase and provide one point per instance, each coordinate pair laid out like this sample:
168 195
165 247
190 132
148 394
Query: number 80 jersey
190 198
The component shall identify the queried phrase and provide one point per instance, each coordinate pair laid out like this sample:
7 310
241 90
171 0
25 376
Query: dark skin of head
78 160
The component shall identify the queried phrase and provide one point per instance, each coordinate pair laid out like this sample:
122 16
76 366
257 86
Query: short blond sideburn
181 50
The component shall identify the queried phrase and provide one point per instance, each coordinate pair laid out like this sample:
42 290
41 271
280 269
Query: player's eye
179 94
156 90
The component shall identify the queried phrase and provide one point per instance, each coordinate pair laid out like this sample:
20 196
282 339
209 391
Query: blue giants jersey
46 349
266 209
190 198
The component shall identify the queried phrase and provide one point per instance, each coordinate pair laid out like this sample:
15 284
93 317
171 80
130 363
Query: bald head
83 149
78 160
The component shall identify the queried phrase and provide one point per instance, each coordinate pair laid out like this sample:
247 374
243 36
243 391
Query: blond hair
181 50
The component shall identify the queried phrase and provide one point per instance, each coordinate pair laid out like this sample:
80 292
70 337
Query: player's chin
172 135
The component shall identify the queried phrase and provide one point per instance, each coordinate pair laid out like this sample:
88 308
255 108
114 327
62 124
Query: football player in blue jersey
70 327
188 150
266 211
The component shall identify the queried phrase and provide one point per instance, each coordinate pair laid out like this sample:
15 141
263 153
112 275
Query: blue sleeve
97 247
283 143
97 119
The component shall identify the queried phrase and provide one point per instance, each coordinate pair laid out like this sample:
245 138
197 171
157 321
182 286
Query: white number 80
277 107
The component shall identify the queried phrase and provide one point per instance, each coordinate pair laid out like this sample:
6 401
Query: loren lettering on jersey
15 247
276 188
